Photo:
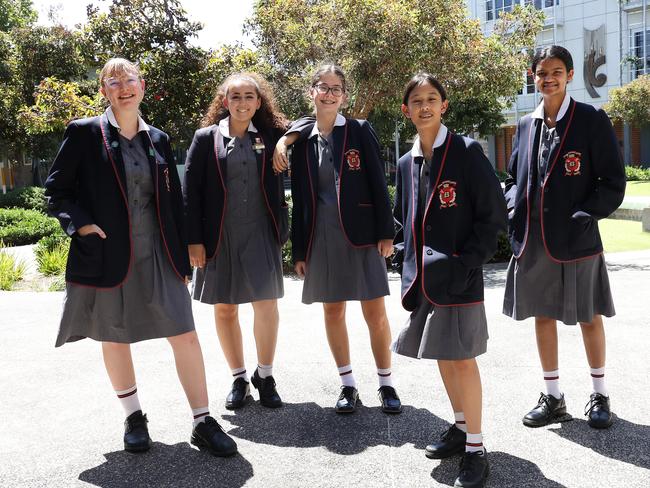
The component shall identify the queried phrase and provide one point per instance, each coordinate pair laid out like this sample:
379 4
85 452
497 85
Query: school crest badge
353 158
447 194
572 163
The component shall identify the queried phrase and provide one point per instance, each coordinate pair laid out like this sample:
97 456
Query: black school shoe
390 402
598 411
450 443
239 395
474 470
209 436
136 433
347 402
266 386
548 410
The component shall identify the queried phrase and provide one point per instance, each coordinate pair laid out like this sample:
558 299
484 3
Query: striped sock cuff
200 412
552 375
345 370
598 372
384 372
126 393
238 372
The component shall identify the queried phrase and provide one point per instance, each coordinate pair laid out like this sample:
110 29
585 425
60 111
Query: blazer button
429 252
428 227
545 209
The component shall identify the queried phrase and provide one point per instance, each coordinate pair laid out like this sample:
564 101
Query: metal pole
396 142
645 62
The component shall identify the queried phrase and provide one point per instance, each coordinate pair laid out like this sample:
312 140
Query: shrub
52 261
11 270
58 284
504 251
30 197
636 173
19 226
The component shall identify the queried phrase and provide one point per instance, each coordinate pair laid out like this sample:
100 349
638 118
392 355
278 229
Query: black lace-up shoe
450 443
598 411
239 395
209 435
266 386
136 433
474 470
548 410
390 402
347 402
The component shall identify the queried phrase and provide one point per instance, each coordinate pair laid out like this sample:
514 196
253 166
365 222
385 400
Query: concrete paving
62 426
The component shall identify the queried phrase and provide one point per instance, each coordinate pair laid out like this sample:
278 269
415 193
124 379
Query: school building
609 41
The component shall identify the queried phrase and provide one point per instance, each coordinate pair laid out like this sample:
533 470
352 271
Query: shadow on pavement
505 470
177 465
623 441
613 267
310 425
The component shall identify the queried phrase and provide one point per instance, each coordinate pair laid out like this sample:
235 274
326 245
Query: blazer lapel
112 144
260 155
222 154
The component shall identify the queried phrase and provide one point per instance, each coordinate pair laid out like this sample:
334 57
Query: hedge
30 197
19 227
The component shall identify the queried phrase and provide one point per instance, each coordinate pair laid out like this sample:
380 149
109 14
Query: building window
637 52
494 8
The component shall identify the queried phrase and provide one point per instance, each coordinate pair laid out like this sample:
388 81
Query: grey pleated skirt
338 272
247 267
151 303
569 292
447 333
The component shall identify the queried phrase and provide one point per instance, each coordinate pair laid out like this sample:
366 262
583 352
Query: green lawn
623 235
637 189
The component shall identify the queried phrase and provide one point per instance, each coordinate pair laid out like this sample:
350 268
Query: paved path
61 425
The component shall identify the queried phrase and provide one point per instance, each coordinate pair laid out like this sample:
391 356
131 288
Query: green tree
16 13
631 103
382 43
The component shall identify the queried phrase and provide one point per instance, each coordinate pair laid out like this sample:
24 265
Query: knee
225 314
189 339
115 347
464 366
334 312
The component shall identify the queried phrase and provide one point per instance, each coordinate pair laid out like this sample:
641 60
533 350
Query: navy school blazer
205 192
87 185
362 195
585 181
465 211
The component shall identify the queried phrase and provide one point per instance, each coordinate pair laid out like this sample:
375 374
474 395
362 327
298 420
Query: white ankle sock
474 443
239 373
199 414
347 378
552 381
598 380
265 370
129 400
460 421
385 377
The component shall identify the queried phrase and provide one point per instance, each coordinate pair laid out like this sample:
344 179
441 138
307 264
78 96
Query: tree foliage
631 103
381 43
16 13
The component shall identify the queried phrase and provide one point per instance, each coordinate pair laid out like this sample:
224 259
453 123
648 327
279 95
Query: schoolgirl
114 188
342 228
238 221
450 208
566 172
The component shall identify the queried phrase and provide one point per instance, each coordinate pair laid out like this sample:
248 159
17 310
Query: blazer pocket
284 228
458 277
86 256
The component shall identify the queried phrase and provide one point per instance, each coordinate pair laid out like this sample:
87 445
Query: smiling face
124 90
425 107
330 102
242 100
552 77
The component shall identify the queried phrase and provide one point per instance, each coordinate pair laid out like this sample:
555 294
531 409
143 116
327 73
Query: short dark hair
554 51
422 79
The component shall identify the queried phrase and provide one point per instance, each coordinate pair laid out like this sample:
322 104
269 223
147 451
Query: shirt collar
539 111
142 125
416 150
339 122
224 127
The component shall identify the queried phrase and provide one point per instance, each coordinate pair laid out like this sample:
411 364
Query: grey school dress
248 263
435 332
536 286
336 271
152 302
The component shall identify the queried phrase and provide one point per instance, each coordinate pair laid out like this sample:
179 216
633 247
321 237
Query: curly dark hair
267 117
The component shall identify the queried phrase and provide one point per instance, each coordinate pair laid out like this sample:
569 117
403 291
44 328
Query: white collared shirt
416 150
142 125
224 127
538 113
339 122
